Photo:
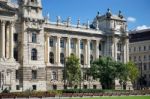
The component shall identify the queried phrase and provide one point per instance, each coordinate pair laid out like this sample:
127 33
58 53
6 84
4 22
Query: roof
140 35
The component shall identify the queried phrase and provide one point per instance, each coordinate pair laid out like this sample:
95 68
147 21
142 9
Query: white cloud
131 19
142 27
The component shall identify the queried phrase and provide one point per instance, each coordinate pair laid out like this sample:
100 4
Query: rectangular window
34 38
81 45
139 48
54 87
34 87
34 74
144 48
72 44
17 87
16 53
145 66
16 37
62 43
145 76
119 47
118 57
17 74
51 42
129 49
130 58
134 49
145 58
134 58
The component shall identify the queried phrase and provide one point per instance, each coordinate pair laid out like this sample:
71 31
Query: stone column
3 39
7 47
88 52
68 47
58 51
47 42
11 41
78 48
85 52
127 50
97 49
115 49
124 51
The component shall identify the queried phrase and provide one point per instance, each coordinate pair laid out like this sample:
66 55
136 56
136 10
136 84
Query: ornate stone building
33 49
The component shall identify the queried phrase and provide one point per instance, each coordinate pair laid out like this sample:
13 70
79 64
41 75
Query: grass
118 97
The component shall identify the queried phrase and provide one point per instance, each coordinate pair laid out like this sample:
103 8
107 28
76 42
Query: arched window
62 58
91 58
34 54
51 57
82 59
54 75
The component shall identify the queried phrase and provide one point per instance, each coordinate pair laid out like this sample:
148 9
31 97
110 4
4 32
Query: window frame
34 54
34 74
62 43
51 57
54 75
62 58
81 44
51 42
34 37
81 59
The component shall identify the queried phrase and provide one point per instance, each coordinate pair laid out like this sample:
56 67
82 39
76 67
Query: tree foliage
132 71
73 71
107 70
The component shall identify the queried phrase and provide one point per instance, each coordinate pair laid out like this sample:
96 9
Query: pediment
4 7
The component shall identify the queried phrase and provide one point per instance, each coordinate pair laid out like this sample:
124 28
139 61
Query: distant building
33 49
139 50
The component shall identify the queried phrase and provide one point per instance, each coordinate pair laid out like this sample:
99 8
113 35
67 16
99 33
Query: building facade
33 49
140 54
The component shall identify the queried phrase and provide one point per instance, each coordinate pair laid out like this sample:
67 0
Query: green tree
73 71
107 70
133 72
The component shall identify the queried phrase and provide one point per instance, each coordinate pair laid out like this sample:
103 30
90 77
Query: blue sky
136 11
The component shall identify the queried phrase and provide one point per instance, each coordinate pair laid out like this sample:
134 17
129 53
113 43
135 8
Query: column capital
58 37
78 39
3 22
68 38
88 40
12 23
98 40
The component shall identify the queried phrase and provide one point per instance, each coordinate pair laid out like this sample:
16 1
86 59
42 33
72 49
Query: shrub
82 91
